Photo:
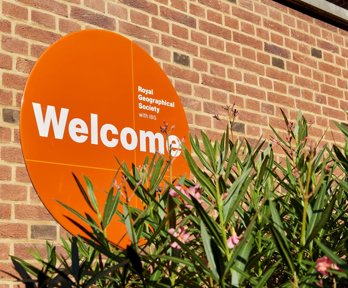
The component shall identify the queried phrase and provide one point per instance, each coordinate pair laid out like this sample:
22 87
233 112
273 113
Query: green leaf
111 205
129 226
201 176
208 251
91 195
209 223
331 254
281 243
83 191
266 275
75 259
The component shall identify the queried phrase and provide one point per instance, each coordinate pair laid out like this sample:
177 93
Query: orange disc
94 96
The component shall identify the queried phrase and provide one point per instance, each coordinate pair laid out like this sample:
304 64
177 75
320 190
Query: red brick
214 16
201 91
217 70
251 91
234 74
32 212
5 26
25 250
179 17
14 45
139 18
12 154
191 103
138 32
308 106
252 104
302 37
203 121
162 53
213 108
13 192
24 65
249 53
199 37
5 61
93 18
212 55
280 99
307 83
37 50
5 97
247 28
216 30
185 74
267 108
183 87
254 67
277 27
36 34
13 81
46 232
330 69
220 96
200 65
22 175
279 87
4 251
15 11
216 4
246 15
331 90
279 75
252 117
334 113
43 19
247 40
95 5
216 43
144 5
197 10
217 83
169 41
231 22
51 6
180 32
159 24
117 10
329 46
13 231
5 211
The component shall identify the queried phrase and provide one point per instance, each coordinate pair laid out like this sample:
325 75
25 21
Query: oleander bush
246 218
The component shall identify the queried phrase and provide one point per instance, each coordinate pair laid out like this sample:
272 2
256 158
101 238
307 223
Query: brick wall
258 54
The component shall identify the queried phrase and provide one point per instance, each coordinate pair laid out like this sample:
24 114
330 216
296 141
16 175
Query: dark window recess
334 12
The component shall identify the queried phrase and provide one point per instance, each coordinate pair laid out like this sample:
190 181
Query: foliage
249 218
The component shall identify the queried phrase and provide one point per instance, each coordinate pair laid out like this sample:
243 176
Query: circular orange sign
94 96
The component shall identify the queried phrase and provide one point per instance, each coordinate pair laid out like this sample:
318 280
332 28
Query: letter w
43 125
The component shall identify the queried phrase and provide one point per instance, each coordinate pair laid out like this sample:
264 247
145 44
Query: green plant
244 220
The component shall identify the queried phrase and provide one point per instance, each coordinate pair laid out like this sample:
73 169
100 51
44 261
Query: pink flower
181 235
174 193
196 192
233 240
324 264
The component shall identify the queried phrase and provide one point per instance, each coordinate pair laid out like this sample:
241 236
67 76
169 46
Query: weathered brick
10 115
278 62
32 212
14 45
45 232
14 10
139 18
43 19
51 6
216 30
179 17
93 18
186 46
117 10
181 73
216 4
181 59
218 83
24 65
37 34
138 32
276 50
95 5
5 61
13 81
246 15
316 53
147 6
